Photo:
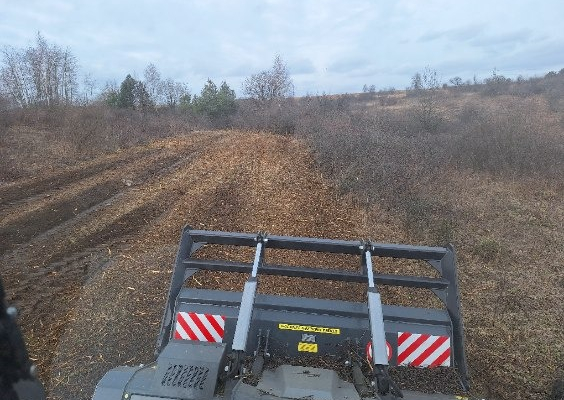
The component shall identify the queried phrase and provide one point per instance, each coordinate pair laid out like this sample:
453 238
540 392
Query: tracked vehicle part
206 335
18 376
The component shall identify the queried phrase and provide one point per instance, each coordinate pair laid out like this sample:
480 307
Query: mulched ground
92 289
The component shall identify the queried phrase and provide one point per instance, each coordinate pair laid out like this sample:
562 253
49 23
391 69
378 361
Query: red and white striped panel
419 350
202 327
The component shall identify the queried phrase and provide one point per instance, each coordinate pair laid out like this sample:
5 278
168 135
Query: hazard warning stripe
215 325
202 327
420 350
183 330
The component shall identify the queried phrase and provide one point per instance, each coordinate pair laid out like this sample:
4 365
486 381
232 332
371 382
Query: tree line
45 74
147 95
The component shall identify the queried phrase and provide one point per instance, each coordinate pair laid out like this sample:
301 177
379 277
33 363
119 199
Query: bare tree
173 92
153 83
456 81
416 82
54 73
15 77
369 89
41 74
274 83
89 85
426 87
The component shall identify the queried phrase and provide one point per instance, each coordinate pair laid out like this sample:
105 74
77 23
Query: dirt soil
87 251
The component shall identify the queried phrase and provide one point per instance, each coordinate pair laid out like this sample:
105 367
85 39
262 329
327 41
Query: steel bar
318 273
320 245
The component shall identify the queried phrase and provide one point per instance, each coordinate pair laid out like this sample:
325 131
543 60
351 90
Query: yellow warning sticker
307 328
308 347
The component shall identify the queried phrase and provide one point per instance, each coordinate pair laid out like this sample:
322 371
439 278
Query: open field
87 249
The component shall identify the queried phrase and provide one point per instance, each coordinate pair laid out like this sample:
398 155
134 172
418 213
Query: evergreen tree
226 99
143 99
215 103
126 96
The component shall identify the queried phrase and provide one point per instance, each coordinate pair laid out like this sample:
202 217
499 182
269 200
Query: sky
328 46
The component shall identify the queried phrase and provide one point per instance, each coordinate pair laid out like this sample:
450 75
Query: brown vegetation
488 177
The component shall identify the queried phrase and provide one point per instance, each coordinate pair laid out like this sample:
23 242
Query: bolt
12 312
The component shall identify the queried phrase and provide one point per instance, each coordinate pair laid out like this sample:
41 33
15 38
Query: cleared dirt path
243 182
88 256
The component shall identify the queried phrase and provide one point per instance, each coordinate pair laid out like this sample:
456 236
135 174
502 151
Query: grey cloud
295 67
241 70
477 35
465 33
301 66
545 56
540 57
348 65
466 67
143 56
330 49
519 36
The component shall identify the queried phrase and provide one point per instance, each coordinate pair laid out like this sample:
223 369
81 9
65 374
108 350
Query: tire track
60 260
136 165
61 238
21 226
24 228
21 191
195 185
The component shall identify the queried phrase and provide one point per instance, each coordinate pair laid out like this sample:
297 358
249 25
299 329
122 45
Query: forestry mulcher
217 344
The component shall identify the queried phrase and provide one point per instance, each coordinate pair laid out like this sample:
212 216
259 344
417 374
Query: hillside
87 251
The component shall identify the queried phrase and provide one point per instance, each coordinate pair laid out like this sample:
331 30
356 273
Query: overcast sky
329 46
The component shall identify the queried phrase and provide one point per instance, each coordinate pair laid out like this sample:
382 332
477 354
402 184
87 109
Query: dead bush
66 134
277 116
554 91
514 139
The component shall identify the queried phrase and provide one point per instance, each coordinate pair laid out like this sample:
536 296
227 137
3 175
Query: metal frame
442 259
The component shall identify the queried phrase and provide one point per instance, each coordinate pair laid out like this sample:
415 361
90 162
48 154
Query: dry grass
33 140
509 238
489 179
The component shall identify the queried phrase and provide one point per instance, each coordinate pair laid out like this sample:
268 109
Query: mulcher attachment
210 339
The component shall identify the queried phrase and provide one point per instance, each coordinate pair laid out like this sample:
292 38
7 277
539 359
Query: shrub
425 87
510 140
496 84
